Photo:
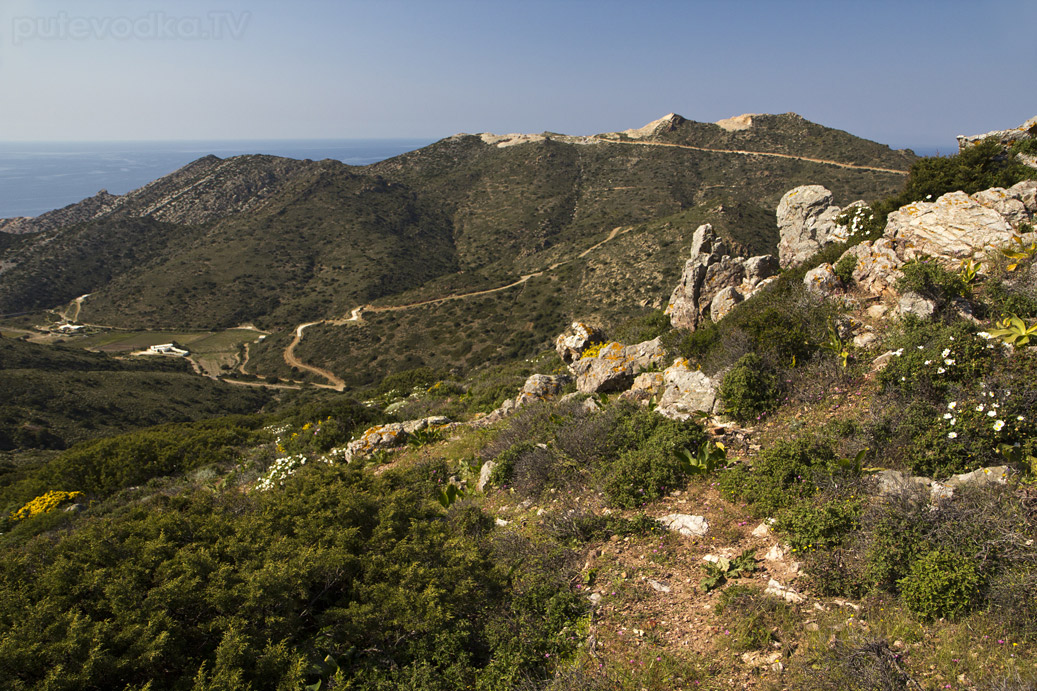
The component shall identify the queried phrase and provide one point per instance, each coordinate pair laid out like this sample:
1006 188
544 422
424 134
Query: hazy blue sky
905 72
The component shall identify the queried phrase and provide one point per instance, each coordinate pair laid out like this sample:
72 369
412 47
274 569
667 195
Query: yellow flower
44 504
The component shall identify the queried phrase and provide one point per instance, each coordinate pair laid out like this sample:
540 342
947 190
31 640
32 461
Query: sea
36 177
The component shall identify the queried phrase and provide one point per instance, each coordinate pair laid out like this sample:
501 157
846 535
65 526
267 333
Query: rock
1009 205
711 269
484 475
614 367
877 311
822 280
806 222
953 228
1026 192
761 268
658 586
500 522
645 386
389 436
685 524
762 530
723 302
595 599
878 266
865 340
576 339
879 363
1024 131
778 590
917 305
755 658
775 553
984 476
686 392
540 386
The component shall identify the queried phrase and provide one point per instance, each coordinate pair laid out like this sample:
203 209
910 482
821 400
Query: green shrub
844 268
940 584
644 328
750 389
639 476
812 525
783 474
755 621
929 279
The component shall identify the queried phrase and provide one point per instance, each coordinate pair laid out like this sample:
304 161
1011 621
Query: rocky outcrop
616 365
878 266
711 271
1025 131
685 524
822 280
537 387
577 338
806 222
891 482
686 391
389 436
952 228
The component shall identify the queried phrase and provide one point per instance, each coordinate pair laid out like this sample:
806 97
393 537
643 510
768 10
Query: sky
905 73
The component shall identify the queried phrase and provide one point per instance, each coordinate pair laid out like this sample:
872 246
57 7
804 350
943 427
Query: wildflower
947 416
953 420
952 405
998 425
946 352
952 435
949 361
928 362
991 413
984 335
940 370
980 408
1020 418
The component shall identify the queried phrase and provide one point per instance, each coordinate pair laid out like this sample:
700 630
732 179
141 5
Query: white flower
947 416
940 371
949 362
952 405
953 421
952 435
980 408
946 352
992 413
984 334
898 352
921 347
998 425
928 362
1020 418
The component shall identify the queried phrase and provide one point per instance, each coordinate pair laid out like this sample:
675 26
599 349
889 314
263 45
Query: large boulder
712 269
686 391
576 339
616 365
822 280
806 223
952 228
723 302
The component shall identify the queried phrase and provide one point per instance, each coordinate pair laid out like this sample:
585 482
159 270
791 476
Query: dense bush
940 584
783 474
929 279
234 591
749 389
814 525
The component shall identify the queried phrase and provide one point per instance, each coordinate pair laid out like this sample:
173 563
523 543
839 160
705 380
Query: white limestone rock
950 229
687 391
686 524
806 223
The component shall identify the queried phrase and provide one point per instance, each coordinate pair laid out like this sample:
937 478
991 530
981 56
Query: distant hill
277 241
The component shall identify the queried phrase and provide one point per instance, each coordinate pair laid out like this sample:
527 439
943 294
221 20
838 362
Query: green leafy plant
448 495
323 670
940 584
969 270
1014 330
836 346
1019 252
749 389
709 457
844 268
719 571
423 437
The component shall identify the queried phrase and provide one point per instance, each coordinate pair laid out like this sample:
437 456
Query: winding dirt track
356 314
740 152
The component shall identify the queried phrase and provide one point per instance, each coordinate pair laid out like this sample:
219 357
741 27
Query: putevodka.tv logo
153 26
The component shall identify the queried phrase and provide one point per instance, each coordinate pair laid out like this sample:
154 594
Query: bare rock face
952 228
686 391
710 271
822 280
917 305
806 221
537 387
723 302
685 524
1004 202
616 365
576 339
878 266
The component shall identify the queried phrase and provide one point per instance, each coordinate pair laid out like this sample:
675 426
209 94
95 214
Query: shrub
783 474
844 268
645 328
642 475
749 389
929 279
811 525
940 584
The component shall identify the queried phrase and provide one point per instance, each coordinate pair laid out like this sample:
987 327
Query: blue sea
36 177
